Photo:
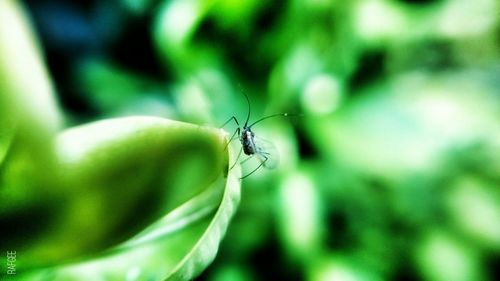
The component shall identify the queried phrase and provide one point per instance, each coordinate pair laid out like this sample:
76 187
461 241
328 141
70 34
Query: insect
253 146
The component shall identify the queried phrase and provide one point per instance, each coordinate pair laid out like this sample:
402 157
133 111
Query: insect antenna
248 113
271 116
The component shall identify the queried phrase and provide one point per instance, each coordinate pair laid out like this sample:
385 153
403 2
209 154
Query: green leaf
140 198
26 91
29 118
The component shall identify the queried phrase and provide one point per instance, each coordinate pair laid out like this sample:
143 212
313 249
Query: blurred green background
391 173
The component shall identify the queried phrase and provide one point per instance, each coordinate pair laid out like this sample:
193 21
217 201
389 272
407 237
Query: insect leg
249 157
232 118
254 170
237 158
236 132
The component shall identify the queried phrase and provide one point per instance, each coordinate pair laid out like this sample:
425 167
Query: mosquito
252 145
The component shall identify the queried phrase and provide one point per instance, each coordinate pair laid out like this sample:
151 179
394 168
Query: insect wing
266 153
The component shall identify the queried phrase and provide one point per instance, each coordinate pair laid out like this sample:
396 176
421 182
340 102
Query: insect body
253 146
248 142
